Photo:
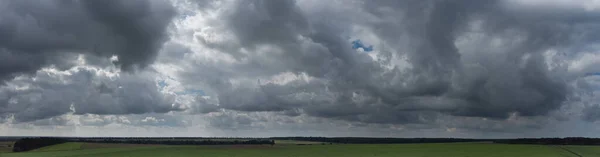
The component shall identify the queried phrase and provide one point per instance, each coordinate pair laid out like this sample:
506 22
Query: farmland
6 146
314 150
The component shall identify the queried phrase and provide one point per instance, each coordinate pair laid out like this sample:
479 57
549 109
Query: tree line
30 143
27 144
368 140
178 141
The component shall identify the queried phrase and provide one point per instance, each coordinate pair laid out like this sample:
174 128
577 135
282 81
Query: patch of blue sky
593 74
162 84
356 44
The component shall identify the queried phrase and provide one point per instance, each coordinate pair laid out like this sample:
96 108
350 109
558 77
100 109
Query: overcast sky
395 68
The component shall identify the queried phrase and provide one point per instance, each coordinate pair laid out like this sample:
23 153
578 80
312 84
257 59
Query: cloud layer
35 34
496 68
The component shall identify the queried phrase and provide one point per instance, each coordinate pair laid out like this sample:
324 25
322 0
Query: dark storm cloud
465 58
486 84
33 33
591 113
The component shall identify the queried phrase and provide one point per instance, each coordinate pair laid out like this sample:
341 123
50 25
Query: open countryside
299 78
296 148
341 150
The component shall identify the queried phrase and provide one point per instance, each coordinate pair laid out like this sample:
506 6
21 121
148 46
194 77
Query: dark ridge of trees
172 141
27 144
366 140
553 141
171 138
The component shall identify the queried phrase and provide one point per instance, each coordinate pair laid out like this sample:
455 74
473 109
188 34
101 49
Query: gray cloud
463 58
82 90
34 33
591 113
466 66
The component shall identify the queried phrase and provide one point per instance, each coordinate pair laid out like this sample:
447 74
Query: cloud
82 90
591 113
439 58
440 67
35 34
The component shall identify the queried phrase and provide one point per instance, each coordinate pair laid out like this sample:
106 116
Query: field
5 146
335 150
61 147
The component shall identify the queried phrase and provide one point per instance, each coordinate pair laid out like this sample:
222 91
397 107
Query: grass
585 150
60 147
336 150
111 145
6 146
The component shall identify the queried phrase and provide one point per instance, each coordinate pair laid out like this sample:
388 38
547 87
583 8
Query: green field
585 150
335 150
6 147
61 147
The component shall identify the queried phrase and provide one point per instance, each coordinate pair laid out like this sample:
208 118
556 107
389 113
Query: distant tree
27 144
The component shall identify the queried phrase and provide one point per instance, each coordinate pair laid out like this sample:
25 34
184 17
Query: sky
260 68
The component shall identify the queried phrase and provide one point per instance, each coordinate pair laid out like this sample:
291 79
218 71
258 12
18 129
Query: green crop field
6 146
335 150
585 151
61 147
